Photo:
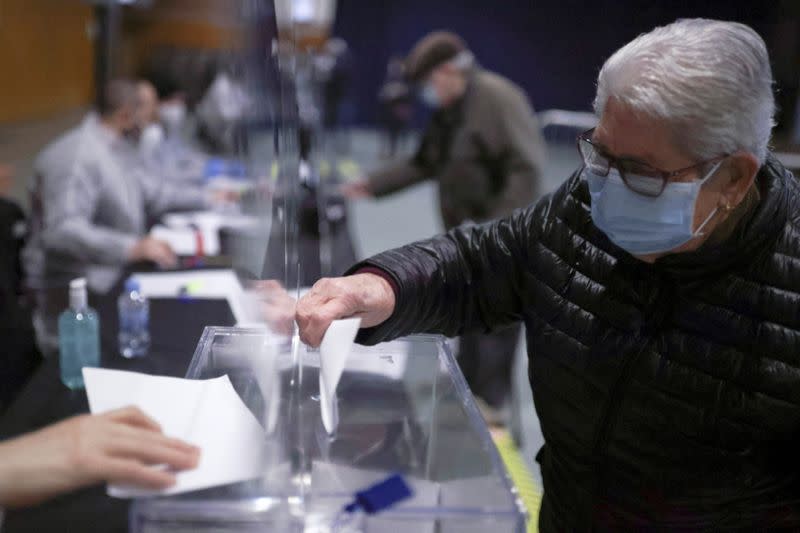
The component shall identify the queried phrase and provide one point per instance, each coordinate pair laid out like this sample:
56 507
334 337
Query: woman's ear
742 170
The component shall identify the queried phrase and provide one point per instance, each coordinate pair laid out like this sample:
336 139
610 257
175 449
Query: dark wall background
552 48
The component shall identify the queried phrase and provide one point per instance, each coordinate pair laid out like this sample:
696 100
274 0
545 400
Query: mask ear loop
699 231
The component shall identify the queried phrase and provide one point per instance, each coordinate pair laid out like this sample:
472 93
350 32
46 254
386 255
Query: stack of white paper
208 414
180 230
221 284
183 241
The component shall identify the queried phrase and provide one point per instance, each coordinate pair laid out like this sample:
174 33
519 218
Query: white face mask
152 136
429 95
173 114
644 225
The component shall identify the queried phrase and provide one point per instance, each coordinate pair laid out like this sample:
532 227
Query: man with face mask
161 118
152 136
92 199
660 290
173 113
484 147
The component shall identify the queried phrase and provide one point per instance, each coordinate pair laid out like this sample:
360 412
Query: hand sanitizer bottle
78 336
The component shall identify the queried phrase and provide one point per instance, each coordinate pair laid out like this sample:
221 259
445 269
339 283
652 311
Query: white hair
710 80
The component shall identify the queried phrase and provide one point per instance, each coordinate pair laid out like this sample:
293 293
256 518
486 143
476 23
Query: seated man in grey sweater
92 200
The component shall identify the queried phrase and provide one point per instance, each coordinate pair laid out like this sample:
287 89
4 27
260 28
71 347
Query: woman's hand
120 446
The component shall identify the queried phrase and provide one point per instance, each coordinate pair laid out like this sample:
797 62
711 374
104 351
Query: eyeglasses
638 176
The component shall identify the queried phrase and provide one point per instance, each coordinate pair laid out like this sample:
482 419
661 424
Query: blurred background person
396 105
162 140
484 147
19 356
152 135
221 111
95 197
335 65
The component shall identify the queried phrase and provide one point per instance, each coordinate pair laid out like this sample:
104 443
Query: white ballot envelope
206 413
336 346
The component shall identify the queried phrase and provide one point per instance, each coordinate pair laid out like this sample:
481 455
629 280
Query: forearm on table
27 478
171 198
395 178
88 242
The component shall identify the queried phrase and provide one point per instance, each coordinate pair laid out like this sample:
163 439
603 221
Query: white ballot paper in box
336 346
206 413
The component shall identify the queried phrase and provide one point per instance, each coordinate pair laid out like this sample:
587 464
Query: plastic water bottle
134 321
78 336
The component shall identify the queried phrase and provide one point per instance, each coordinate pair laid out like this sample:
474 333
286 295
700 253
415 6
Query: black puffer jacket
668 394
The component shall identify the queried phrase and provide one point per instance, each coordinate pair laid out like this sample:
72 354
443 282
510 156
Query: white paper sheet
336 346
179 229
221 284
206 413
210 220
387 359
183 241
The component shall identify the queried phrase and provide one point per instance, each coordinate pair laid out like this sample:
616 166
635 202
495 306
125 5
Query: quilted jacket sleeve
469 279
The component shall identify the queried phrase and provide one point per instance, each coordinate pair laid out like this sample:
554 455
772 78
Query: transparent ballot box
403 407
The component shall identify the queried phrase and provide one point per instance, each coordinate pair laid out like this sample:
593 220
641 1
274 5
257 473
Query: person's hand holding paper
118 446
206 413
366 296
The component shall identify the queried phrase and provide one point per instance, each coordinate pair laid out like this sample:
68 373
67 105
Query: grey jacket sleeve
69 203
162 196
395 178
406 173
522 138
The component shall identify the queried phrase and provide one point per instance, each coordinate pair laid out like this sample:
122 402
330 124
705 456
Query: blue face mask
429 95
642 224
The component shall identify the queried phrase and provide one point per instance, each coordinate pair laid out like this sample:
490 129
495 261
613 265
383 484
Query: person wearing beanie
484 147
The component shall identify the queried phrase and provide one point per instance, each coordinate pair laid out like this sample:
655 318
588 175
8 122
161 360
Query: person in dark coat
396 105
20 356
660 289
484 147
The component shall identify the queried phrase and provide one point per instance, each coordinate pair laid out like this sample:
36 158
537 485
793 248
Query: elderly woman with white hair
660 289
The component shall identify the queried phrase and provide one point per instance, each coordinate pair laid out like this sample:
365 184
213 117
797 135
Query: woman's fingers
153 448
133 416
132 472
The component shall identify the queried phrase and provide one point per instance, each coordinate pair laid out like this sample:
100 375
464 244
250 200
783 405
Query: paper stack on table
180 230
183 241
206 413
222 284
